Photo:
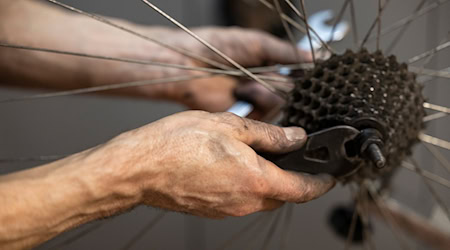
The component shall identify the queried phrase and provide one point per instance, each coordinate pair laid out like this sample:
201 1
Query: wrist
102 172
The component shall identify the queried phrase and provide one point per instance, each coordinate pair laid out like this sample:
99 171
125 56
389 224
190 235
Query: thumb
264 137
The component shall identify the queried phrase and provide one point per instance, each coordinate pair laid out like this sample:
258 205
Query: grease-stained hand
207 164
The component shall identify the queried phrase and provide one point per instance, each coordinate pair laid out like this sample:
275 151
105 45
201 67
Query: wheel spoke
442 111
338 19
435 141
351 232
416 225
233 72
308 28
378 25
213 49
120 27
406 20
149 226
380 12
135 61
436 107
362 211
436 178
429 53
106 87
303 18
287 29
285 17
388 217
430 72
435 116
438 155
404 28
433 192
354 25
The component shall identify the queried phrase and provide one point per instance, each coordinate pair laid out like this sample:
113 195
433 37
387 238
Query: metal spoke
285 17
404 28
304 19
435 116
436 107
435 141
436 178
308 28
380 12
438 155
429 53
77 236
120 27
354 25
105 87
368 241
379 25
388 217
417 226
135 61
406 20
287 29
443 111
433 192
430 72
351 232
338 19
241 233
149 226
214 49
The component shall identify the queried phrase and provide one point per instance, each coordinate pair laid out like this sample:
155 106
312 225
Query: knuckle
226 117
260 186
232 120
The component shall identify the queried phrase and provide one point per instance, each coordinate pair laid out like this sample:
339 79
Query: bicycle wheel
421 187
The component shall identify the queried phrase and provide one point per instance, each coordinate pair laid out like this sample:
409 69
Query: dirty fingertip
295 134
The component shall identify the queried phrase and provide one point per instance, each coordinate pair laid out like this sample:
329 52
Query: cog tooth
361 89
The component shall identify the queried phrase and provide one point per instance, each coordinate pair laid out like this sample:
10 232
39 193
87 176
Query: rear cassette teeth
363 90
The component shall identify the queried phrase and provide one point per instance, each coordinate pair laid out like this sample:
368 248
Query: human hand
87 36
205 164
249 48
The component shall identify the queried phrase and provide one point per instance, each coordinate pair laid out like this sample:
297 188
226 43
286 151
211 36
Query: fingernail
295 134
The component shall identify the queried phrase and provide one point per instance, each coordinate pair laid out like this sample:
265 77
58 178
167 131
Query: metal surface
327 151
319 22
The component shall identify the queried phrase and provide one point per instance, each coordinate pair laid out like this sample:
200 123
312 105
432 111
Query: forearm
36 24
40 203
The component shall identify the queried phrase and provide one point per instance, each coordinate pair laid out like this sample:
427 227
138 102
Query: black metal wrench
332 151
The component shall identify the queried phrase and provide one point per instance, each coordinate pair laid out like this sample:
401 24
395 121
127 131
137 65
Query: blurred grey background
70 124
